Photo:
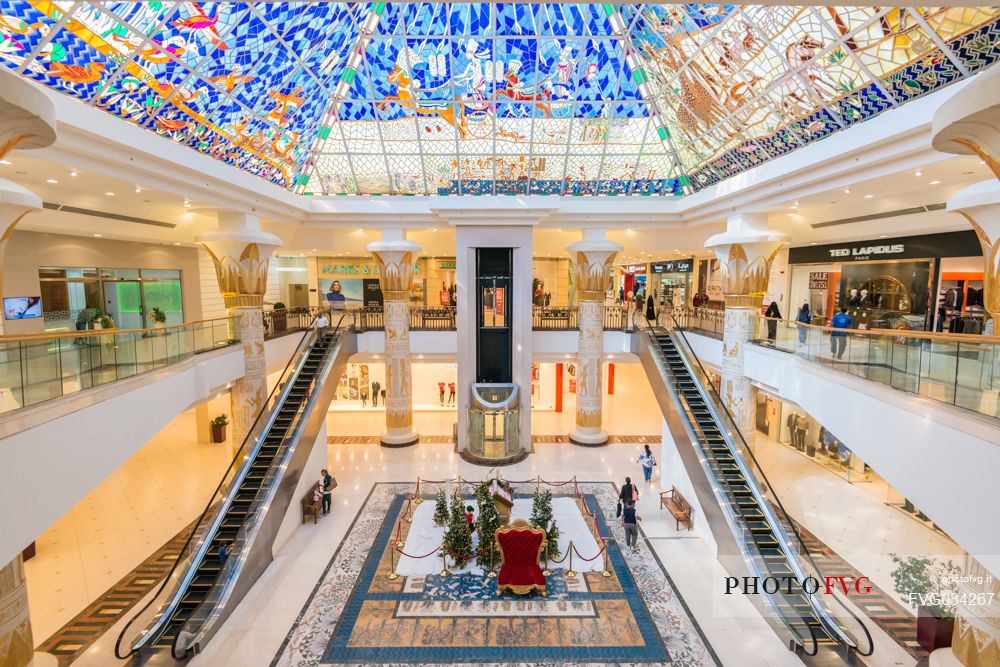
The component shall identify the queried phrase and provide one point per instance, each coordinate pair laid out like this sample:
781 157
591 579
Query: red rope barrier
589 559
559 560
417 557
462 556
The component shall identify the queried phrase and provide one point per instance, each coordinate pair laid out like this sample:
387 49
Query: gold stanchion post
607 563
416 497
547 572
399 534
392 576
570 573
492 573
444 564
409 512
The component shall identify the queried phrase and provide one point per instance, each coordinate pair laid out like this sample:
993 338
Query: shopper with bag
628 492
647 461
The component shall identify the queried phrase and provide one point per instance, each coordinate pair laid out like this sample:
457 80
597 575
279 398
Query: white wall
48 468
944 459
208 285
673 472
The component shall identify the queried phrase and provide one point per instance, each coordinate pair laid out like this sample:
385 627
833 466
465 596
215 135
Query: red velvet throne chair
521 548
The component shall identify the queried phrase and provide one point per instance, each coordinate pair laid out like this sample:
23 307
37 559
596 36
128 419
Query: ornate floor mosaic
356 615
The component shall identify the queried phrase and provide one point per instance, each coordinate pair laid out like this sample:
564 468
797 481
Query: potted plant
279 317
219 428
929 586
158 317
102 321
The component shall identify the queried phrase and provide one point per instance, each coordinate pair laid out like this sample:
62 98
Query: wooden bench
677 505
311 507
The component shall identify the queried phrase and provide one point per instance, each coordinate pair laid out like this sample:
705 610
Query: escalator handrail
289 442
804 550
735 521
296 357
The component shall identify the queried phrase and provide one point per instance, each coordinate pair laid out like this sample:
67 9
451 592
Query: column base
589 437
399 439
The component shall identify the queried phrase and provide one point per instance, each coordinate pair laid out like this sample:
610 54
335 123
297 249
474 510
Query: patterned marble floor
356 615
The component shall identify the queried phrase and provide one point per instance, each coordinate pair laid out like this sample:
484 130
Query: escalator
763 538
246 510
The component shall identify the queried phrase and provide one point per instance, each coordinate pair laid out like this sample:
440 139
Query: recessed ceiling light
177 242
847 191
434 230
883 236
918 173
813 243
313 250
72 173
796 203
869 196
110 194
51 180
9 162
187 205
138 189
3 161
98 235
795 208
935 182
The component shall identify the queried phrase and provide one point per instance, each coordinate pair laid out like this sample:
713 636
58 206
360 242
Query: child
470 518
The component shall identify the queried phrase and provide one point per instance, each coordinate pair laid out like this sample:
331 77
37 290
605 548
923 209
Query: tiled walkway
86 627
536 439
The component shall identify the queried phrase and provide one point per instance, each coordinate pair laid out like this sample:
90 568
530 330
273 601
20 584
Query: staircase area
819 627
246 511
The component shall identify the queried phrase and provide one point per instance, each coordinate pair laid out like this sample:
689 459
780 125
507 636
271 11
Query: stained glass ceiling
420 98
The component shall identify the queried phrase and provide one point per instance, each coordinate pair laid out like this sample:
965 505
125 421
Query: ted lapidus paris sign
925 246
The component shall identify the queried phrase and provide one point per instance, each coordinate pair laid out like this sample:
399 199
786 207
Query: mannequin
863 301
853 299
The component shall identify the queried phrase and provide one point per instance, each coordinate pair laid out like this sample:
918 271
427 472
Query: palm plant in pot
930 587
219 428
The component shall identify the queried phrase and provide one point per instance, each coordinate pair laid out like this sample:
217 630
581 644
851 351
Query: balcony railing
40 367
547 318
289 320
958 369
708 321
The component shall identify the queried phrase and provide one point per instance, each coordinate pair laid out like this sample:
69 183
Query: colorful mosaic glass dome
420 98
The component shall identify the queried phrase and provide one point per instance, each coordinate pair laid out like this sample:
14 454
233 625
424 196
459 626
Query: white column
976 639
396 258
241 251
745 252
592 259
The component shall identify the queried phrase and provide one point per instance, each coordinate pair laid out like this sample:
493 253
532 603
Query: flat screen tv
22 307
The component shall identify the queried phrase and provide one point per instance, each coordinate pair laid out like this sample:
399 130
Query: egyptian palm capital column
745 252
396 258
592 258
240 252
969 124
27 120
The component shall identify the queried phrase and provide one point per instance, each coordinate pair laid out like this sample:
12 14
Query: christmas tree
440 509
458 539
488 523
541 516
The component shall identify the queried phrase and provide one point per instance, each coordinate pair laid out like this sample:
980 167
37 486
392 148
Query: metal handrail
240 457
91 333
772 497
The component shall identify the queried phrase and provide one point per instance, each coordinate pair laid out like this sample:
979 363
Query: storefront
789 425
672 281
709 288
551 282
630 278
901 283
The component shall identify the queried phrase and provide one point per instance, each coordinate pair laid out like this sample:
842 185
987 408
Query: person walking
329 484
322 326
650 308
621 295
647 461
630 522
773 315
803 317
838 339
628 492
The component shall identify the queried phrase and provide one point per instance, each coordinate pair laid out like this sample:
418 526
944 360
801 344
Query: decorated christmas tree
541 516
457 539
440 509
488 523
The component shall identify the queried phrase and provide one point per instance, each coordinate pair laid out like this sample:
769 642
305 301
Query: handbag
618 513
635 494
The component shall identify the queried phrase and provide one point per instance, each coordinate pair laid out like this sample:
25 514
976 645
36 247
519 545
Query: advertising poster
373 293
340 292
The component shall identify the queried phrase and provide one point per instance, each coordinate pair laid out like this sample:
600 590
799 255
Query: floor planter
218 433
933 630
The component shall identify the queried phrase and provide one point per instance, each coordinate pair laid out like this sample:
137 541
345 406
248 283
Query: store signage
819 280
924 246
446 264
867 251
635 268
355 269
673 266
